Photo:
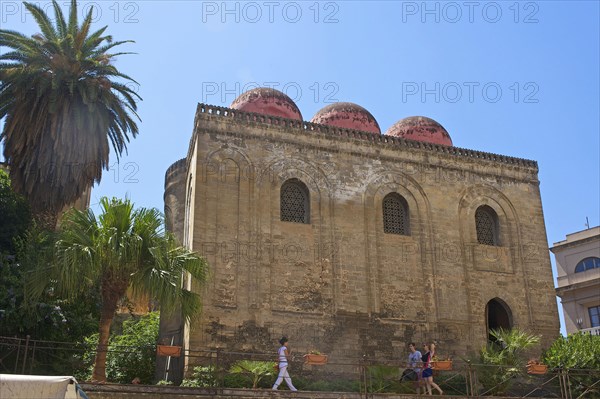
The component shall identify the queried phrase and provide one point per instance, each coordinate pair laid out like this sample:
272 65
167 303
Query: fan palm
502 359
65 105
122 249
256 368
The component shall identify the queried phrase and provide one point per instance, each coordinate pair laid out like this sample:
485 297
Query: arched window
395 215
486 223
295 202
587 264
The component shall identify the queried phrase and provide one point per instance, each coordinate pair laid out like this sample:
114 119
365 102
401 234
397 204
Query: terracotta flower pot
537 369
442 365
311 358
168 350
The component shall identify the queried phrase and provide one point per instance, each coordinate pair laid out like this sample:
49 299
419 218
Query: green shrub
255 369
577 351
330 385
15 215
236 381
581 354
452 383
502 360
130 354
202 377
385 379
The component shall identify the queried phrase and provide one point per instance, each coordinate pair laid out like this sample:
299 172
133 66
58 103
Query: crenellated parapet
206 111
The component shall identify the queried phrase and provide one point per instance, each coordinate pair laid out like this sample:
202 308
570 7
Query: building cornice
564 245
207 112
595 282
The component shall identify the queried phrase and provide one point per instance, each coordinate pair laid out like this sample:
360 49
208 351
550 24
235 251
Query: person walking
414 360
282 357
427 370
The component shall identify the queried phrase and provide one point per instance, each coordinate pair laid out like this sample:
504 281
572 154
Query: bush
581 354
202 377
502 360
577 351
15 215
386 379
236 381
451 382
257 370
329 385
130 354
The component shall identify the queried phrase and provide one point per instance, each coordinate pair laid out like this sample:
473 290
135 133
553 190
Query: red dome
420 128
267 101
347 116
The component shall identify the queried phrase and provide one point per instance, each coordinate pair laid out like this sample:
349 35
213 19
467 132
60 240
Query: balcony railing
592 331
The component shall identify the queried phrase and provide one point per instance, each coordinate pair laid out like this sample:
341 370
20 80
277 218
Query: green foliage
237 380
334 385
202 377
256 369
385 379
131 354
581 354
49 317
502 360
124 248
15 217
577 351
452 383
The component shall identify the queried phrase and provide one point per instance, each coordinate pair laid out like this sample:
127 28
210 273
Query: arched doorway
498 315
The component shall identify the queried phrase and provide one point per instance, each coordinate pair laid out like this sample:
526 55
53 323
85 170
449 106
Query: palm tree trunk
46 219
106 318
113 289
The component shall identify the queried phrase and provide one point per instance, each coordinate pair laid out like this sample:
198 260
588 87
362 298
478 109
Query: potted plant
315 357
441 363
535 367
168 350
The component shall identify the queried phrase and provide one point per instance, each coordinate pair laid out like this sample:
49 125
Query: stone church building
351 241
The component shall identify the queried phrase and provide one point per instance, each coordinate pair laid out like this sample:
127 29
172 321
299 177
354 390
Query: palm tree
256 368
64 109
122 249
503 359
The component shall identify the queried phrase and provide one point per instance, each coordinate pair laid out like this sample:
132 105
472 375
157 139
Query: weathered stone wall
171 328
340 284
174 197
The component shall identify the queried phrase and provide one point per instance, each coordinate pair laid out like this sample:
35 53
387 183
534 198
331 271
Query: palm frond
42 20
61 24
72 26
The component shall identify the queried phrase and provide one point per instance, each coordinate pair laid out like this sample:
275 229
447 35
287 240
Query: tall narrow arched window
395 215
486 223
295 202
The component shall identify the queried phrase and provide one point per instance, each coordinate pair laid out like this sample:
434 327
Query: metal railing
212 370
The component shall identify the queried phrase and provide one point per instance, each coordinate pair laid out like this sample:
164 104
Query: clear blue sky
513 78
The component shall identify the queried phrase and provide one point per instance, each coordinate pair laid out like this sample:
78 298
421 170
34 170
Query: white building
578 266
